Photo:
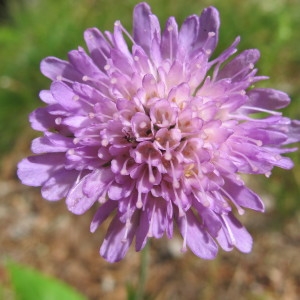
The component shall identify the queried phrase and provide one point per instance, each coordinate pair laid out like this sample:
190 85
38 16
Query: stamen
184 247
231 236
238 207
150 231
76 98
139 203
61 78
58 121
258 109
104 142
254 168
151 176
176 184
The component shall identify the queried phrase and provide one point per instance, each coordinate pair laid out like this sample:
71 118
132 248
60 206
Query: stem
140 291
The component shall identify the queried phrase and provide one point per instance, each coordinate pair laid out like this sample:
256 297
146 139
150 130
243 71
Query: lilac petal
267 99
117 240
240 66
41 120
197 238
243 196
142 231
84 64
120 191
209 23
102 214
169 39
293 132
188 34
98 182
46 96
98 46
51 142
234 234
57 69
59 184
210 219
64 95
145 25
36 170
119 41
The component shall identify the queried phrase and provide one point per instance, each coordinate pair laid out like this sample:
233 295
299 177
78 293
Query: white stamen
113 81
91 115
143 125
58 121
104 142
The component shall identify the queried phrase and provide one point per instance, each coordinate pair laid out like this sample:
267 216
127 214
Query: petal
243 196
102 214
240 66
188 34
209 22
233 234
98 182
117 240
98 46
47 97
41 120
55 68
197 238
169 39
36 170
145 25
58 186
267 99
64 95
84 64
51 142
78 201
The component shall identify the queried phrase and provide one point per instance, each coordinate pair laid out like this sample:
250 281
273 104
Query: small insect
128 137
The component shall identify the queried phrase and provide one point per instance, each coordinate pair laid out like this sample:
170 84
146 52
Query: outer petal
54 68
36 170
196 237
240 66
117 240
267 99
59 184
233 234
102 214
243 196
98 46
41 120
209 30
188 34
145 25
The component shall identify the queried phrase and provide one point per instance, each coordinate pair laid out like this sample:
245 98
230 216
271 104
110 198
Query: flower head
145 132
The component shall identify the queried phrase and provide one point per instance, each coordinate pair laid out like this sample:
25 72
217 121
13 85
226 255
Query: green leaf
30 284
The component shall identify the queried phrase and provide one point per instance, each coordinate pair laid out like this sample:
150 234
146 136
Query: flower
158 133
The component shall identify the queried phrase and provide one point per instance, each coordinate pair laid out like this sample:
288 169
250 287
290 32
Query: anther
58 121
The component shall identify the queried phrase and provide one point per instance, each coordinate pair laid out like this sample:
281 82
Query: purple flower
156 133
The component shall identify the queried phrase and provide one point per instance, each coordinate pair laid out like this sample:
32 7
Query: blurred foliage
29 284
34 29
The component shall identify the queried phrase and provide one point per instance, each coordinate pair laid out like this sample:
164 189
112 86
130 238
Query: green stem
140 291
